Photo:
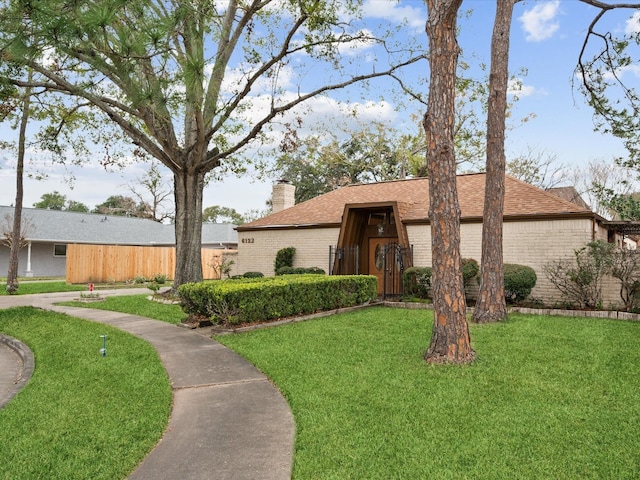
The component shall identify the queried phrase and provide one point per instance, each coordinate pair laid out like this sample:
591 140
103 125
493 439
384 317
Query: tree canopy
192 83
218 214
57 201
122 206
602 69
317 165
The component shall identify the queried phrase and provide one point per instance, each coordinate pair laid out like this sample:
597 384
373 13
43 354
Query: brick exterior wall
283 196
257 249
531 243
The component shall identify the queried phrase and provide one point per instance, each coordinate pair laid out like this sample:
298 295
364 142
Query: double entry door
386 262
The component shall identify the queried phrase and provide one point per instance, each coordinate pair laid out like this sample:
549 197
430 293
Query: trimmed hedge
248 275
262 299
300 271
252 275
519 280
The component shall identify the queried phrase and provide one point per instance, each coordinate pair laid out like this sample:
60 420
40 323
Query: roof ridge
73 212
397 180
549 194
410 179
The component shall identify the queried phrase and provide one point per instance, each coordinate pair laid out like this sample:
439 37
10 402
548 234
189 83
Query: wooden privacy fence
118 263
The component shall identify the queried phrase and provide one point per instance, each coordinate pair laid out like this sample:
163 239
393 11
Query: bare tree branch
275 111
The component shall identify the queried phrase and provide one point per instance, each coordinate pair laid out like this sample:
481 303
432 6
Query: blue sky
546 38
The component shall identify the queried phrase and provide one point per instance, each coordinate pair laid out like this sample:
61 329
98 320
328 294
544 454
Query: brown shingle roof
521 199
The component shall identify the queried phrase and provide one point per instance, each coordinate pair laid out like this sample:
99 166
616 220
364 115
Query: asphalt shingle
42 225
412 196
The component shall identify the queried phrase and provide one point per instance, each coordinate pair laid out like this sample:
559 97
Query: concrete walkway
10 368
227 421
16 367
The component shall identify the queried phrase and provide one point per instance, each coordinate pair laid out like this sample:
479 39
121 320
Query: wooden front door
382 264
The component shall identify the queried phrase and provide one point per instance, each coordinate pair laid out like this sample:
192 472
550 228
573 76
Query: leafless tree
539 168
600 176
155 193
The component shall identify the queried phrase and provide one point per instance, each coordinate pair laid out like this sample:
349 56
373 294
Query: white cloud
327 113
357 47
321 113
633 24
416 17
358 43
632 69
49 57
236 78
91 186
539 23
517 88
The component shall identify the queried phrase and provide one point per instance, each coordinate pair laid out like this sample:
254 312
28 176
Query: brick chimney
283 195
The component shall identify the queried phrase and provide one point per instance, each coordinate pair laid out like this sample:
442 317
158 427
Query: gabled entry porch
373 241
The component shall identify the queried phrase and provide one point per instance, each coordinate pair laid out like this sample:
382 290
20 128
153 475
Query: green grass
136 305
34 279
547 397
81 415
26 288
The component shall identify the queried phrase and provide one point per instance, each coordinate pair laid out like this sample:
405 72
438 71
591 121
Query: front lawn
81 415
28 287
548 397
135 305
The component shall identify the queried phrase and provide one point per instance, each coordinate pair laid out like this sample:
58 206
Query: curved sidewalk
16 367
227 421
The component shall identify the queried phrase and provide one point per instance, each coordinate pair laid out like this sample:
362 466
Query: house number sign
247 240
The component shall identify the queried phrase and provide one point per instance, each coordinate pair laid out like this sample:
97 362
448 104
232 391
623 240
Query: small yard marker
103 350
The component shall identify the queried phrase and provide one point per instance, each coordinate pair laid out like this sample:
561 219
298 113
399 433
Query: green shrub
417 282
284 258
252 300
225 267
140 279
625 266
470 270
580 279
286 270
160 278
252 275
519 280
300 271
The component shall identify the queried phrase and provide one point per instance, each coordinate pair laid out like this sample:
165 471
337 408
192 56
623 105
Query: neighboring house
48 232
382 228
570 194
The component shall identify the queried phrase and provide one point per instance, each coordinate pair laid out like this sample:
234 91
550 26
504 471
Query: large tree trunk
450 341
188 190
491 305
16 234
